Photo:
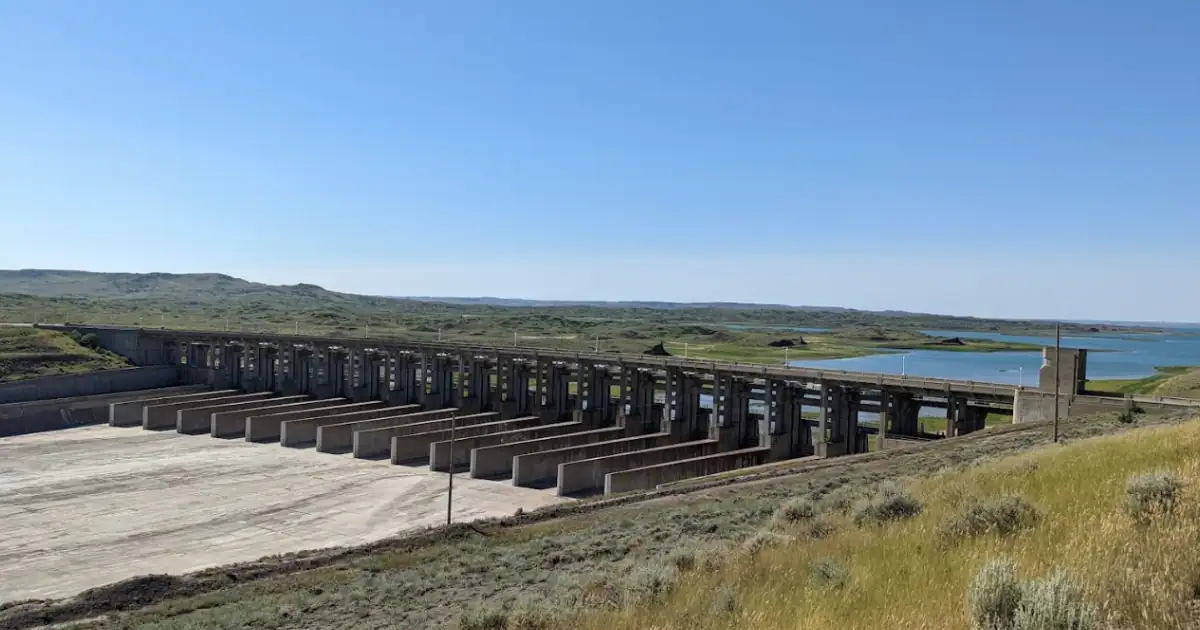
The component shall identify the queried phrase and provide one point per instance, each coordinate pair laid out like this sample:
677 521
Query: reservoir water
1113 356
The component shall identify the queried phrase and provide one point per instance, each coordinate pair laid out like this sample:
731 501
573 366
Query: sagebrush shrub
993 596
1002 516
890 503
1151 493
1055 603
483 620
651 583
827 572
796 510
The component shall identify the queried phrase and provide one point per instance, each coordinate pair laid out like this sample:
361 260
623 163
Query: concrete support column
479 386
903 413
336 373
516 402
642 416
406 385
555 399
270 377
303 371
790 434
441 383
839 413
735 431
687 420
593 406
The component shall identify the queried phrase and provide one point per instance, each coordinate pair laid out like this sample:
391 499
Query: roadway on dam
90 506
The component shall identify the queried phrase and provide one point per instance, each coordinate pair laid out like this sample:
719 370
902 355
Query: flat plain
89 506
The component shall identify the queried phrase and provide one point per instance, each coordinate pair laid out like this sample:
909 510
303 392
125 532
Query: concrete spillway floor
86 507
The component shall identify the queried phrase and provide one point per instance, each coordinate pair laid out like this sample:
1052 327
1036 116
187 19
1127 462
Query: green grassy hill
1097 535
31 352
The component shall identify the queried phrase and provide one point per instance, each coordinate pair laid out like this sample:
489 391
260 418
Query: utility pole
785 355
450 487
597 343
514 339
297 327
1057 374
368 330
439 334
685 349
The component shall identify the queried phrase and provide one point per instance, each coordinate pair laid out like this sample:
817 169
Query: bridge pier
594 397
838 432
476 397
639 413
686 420
516 400
441 384
734 424
787 434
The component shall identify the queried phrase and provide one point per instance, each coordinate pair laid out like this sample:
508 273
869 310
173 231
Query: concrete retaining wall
165 416
129 413
229 424
413 446
303 432
649 477
588 474
339 438
267 427
534 469
64 413
90 384
439 452
199 419
497 461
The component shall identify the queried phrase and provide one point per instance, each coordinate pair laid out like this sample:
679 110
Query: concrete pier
339 438
415 446
439 452
129 413
231 424
497 461
269 426
649 477
588 474
376 442
540 468
303 432
199 419
165 415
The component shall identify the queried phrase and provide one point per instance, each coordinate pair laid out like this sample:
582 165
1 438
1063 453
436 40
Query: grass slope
1169 381
560 559
912 574
30 352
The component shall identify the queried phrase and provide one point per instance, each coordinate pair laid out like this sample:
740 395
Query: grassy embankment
1169 381
1071 513
599 560
30 353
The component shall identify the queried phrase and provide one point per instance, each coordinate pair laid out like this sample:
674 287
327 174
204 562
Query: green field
1169 381
726 332
30 352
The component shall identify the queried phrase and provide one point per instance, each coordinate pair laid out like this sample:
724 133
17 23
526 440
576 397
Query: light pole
903 365
1057 373
1020 375
685 349
785 355
450 486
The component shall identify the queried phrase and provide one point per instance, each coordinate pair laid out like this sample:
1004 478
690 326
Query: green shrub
819 528
724 601
651 583
682 559
993 597
1055 603
1151 493
483 620
828 573
796 510
1003 516
760 541
890 503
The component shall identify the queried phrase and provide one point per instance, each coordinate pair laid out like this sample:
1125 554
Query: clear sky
1032 158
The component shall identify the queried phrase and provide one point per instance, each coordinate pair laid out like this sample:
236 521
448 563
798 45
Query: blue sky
1017 158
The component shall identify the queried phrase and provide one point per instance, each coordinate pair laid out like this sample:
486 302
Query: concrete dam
222 447
580 423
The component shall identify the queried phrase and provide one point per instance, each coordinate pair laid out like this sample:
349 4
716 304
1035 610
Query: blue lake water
1114 356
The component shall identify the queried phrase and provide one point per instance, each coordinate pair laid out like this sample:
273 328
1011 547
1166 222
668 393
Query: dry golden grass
908 574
